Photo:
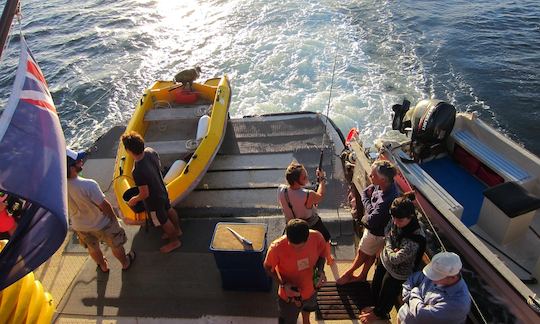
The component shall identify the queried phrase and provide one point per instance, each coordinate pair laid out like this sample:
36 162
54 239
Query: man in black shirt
152 190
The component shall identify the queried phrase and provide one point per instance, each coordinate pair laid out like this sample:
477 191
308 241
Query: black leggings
385 289
319 226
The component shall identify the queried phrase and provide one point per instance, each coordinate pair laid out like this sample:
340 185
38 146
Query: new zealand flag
32 168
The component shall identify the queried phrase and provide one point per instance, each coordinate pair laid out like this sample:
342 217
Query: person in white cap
437 294
92 216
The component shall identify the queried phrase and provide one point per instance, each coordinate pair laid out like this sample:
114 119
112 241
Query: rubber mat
343 302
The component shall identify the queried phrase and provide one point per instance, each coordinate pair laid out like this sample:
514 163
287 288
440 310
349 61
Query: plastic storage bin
241 265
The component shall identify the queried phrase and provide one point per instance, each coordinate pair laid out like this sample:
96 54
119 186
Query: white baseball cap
73 156
442 265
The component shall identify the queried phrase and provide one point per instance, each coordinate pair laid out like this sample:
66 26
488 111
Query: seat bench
172 147
181 113
507 211
499 164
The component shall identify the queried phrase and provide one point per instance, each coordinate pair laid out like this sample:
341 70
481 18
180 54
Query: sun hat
73 156
442 265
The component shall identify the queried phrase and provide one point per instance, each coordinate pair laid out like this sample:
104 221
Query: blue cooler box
241 265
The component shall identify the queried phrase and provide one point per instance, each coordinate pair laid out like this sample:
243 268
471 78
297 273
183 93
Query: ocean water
99 55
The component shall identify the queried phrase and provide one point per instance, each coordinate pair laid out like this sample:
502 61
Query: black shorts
159 213
288 311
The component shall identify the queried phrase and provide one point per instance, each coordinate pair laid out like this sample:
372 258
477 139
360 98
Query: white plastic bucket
176 169
202 127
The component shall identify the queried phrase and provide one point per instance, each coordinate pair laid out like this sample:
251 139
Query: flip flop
131 257
101 270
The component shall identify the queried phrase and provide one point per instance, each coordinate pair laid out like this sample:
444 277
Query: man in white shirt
92 216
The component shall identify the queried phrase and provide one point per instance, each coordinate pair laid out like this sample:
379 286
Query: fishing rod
328 110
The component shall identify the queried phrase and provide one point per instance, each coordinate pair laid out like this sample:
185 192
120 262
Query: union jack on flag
33 168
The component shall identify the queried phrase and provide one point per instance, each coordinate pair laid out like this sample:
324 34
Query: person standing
376 199
92 216
298 202
404 247
437 294
292 260
152 190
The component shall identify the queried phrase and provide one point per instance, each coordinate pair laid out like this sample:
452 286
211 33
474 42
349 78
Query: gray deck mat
183 284
258 135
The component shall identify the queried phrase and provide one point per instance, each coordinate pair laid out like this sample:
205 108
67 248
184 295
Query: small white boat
479 191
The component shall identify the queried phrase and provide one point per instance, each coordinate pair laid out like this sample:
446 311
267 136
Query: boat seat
173 147
181 113
507 211
501 165
430 188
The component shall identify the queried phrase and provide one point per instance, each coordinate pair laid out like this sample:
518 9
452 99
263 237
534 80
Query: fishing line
328 106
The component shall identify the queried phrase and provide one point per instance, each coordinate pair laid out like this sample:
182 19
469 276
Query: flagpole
10 9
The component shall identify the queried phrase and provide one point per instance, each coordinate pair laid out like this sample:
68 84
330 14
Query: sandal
131 257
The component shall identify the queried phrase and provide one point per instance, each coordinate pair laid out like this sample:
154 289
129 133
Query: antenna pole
10 9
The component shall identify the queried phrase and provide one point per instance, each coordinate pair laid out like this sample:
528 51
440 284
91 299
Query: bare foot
104 267
164 236
368 317
169 247
131 258
366 310
357 279
343 280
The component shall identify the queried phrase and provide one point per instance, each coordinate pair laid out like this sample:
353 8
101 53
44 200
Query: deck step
343 302
252 162
243 179
179 113
234 198
171 147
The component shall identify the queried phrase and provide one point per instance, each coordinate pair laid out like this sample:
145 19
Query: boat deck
185 286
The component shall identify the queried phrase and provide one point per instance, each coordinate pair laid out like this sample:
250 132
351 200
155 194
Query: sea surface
98 56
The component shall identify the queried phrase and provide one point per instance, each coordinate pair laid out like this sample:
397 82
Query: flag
32 167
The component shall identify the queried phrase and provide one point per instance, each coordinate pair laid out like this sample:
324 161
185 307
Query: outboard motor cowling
432 121
398 120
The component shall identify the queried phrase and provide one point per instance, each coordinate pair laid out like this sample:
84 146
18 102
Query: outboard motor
432 121
398 122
